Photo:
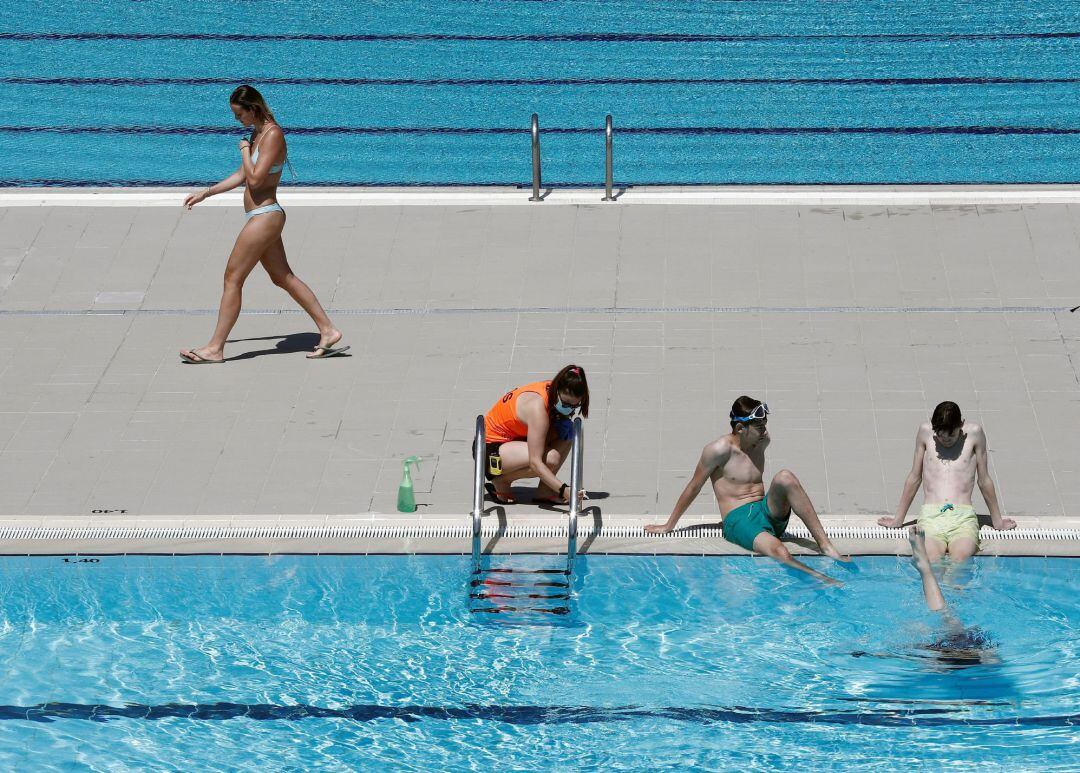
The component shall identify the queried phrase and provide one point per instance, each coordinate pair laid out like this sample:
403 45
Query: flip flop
327 351
194 358
499 499
553 500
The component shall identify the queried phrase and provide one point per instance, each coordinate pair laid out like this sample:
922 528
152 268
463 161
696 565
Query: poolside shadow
544 193
984 520
697 527
551 507
293 343
598 523
500 513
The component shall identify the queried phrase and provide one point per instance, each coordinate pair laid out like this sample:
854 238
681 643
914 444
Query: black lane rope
69 182
553 37
523 715
313 81
487 130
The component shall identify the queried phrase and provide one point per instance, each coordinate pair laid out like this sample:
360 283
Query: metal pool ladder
504 589
537 181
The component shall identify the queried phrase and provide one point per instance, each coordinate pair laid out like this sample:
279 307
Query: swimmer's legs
770 546
786 495
962 548
919 558
935 548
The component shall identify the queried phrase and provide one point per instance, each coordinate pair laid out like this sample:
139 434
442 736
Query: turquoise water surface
415 93
302 662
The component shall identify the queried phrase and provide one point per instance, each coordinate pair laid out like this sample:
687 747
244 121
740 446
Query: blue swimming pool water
360 662
415 93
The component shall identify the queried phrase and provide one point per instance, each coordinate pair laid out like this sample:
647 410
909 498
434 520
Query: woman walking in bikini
262 158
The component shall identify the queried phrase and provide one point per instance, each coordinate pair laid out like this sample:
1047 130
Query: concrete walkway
852 322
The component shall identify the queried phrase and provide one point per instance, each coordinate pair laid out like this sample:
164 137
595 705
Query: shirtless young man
949 453
752 519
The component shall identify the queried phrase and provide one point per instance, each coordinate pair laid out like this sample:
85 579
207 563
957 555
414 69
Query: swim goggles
757 414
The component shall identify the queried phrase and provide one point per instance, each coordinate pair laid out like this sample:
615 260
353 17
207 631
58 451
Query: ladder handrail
576 464
575 499
535 130
608 163
479 447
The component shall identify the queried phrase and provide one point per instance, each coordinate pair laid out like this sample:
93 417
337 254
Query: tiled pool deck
851 319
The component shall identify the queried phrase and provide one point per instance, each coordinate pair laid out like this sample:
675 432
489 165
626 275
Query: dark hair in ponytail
570 380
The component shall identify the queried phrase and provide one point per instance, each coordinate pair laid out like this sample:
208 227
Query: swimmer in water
958 646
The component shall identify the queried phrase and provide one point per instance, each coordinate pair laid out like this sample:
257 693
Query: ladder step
545 610
504 584
509 570
556 597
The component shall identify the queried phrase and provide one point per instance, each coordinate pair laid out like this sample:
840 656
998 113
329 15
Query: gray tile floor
851 322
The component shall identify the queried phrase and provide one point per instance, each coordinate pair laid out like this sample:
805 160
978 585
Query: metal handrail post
535 158
479 444
575 499
608 160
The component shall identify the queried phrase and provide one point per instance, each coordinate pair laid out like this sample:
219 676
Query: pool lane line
510 310
568 130
528 715
57 191
549 37
21 80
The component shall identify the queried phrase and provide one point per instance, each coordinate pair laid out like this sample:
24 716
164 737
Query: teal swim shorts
744 523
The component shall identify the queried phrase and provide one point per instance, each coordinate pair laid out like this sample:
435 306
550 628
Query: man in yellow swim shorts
949 454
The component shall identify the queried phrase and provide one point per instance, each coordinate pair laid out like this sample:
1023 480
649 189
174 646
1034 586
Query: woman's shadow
292 343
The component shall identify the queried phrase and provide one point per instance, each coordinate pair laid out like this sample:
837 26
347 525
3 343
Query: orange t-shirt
501 424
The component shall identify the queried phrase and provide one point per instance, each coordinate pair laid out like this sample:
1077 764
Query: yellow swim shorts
949 522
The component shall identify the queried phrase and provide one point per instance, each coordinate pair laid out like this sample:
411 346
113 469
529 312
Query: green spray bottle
406 502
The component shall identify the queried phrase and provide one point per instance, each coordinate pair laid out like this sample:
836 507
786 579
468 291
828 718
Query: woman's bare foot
203 354
328 338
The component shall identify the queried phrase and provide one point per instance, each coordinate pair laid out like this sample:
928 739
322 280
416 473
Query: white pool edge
451 535
757 195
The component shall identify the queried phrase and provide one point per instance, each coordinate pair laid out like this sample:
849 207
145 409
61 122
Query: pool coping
729 195
450 534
